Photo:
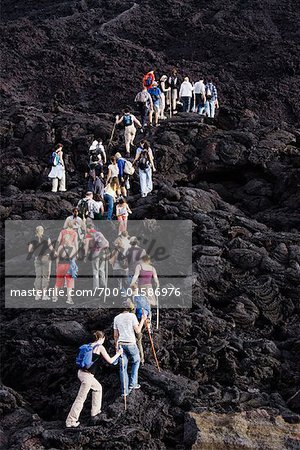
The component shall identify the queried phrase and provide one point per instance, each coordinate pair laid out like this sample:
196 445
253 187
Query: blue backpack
84 359
53 160
127 120
148 80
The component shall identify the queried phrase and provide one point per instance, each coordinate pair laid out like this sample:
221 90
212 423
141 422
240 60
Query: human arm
155 277
136 275
106 356
137 157
119 120
102 149
138 327
116 337
108 175
129 210
151 160
136 121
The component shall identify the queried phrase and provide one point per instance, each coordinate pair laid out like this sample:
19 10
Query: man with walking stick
125 327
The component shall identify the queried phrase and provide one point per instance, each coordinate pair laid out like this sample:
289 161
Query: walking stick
124 387
152 345
170 100
112 135
157 314
106 275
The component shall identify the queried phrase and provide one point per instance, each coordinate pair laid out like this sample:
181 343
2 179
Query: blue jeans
186 101
146 180
110 205
130 352
210 107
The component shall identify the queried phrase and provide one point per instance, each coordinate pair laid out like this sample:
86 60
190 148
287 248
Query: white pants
88 381
61 182
129 135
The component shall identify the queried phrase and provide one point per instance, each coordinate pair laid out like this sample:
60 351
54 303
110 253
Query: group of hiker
169 93
131 267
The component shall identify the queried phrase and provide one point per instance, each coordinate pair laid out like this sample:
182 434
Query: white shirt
114 170
199 88
125 323
186 89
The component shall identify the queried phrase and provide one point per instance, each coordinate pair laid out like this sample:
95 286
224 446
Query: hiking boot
46 297
73 425
94 420
38 297
144 195
137 386
70 301
54 299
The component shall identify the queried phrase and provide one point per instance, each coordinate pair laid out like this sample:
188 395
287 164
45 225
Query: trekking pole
106 275
157 314
124 387
152 345
112 135
170 100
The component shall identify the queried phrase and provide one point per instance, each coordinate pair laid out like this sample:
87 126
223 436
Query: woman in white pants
88 382
164 93
58 171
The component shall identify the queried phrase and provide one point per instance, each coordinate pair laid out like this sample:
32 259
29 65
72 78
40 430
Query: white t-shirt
199 88
114 170
124 323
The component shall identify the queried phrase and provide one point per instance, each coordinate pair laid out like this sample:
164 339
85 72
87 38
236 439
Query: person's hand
144 317
117 118
120 351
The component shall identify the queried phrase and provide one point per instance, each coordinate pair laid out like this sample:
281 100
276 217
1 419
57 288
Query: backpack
128 168
144 161
85 356
53 160
142 97
83 208
127 120
148 80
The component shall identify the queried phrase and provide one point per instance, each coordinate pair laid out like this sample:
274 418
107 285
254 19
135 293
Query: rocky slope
238 180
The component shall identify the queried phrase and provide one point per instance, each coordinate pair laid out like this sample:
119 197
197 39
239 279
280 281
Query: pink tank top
145 277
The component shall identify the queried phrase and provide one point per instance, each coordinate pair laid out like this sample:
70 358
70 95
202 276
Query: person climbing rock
141 305
134 255
125 327
145 161
123 177
129 121
145 272
199 90
211 95
122 212
186 94
148 79
66 268
164 94
97 157
87 206
155 93
113 170
58 171
145 104
77 224
173 84
87 362
96 249
119 262
110 195
42 250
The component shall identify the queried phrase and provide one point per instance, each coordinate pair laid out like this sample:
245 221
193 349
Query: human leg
123 362
149 183
62 182
134 356
212 108
95 270
143 182
110 205
139 337
96 397
38 278
86 382
54 184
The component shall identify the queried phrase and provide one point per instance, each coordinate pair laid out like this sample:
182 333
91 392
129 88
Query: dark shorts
125 178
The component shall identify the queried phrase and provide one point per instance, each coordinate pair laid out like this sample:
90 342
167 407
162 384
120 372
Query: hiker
134 255
95 183
141 305
66 268
128 120
110 194
58 171
97 157
125 327
145 104
211 98
113 169
118 260
123 177
186 94
87 206
68 231
77 224
122 211
145 162
164 93
144 274
100 202
87 362
173 84
148 79
155 93
96 248
199 90
41 247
